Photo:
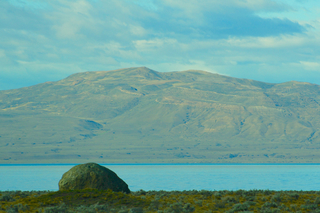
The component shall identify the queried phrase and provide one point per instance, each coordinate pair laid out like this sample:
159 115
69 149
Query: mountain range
138 115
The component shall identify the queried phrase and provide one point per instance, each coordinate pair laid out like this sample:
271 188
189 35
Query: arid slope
138 115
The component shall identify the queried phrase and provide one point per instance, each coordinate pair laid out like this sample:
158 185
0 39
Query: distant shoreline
174 164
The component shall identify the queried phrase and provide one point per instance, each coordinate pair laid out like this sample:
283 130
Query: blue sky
265 40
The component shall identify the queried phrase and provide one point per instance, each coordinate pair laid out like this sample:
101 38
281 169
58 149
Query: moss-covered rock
92 176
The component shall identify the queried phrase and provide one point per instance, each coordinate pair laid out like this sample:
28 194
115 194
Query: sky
266 40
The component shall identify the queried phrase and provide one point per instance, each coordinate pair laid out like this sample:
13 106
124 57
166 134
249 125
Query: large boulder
92 176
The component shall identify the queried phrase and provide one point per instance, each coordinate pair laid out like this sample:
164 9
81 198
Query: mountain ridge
138 115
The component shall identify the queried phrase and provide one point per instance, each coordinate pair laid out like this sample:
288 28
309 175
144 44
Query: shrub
263 199
239 207
317 201
270 211
188 208
198 202
140 192
12 209
269 205
174 208
276 198
309 206
294 207
240 192
85 209
99 208
113 211
62 208
161 201
284 207
16 208
154 205
220 205
217 194
267 192
205 193
250 203
6 198
250 198
136 210
229 199
294 196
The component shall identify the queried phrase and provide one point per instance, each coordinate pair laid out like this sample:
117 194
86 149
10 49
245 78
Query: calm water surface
174 177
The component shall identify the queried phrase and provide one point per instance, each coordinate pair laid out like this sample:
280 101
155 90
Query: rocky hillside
138 115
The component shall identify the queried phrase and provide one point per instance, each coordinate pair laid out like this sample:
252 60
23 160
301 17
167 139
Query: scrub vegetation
90 200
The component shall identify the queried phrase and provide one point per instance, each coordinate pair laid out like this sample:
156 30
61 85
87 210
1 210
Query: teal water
174 177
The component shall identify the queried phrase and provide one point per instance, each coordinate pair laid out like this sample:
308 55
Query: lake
174 177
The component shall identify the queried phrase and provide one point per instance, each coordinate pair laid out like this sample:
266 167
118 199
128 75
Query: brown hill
138 115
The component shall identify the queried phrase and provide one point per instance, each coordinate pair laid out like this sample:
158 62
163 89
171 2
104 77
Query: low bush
91 201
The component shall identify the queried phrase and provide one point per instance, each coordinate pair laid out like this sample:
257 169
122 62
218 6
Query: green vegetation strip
91 200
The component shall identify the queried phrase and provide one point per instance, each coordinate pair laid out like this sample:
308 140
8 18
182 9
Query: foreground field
160 201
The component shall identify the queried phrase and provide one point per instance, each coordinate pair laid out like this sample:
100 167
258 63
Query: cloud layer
49 40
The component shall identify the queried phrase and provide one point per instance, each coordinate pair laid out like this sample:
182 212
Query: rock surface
92 176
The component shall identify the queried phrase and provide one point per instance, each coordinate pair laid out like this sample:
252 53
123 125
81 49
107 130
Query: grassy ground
90 200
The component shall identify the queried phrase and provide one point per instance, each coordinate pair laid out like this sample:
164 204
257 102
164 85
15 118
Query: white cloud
68 19
263 5
29 4
218 5
228 37
285 41
308 65
2 54
137 30
154 44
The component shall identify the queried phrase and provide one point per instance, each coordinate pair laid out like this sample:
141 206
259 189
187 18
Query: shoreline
172 164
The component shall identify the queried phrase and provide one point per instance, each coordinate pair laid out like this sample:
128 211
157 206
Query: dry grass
262 201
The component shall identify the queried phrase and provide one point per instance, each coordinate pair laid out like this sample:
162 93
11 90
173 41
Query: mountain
137 115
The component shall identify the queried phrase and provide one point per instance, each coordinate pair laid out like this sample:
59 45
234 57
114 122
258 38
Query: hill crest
140 115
